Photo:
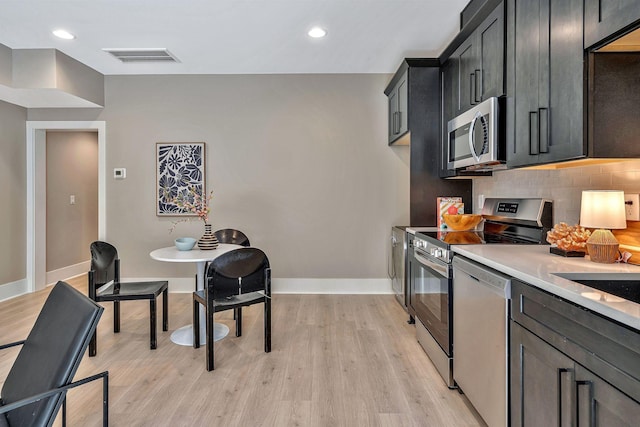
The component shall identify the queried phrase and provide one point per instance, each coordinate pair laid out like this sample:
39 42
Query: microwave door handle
472 129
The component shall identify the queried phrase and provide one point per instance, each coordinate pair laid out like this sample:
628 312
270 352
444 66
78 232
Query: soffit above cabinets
47 78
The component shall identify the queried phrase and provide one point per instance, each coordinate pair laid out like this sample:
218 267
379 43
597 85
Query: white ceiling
237 36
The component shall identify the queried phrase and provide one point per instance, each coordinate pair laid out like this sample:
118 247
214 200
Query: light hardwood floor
336 360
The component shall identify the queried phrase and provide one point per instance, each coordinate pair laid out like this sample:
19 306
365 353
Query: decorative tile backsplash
563 186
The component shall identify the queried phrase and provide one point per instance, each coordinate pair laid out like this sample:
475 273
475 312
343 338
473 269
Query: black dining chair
230 235
235 237
105 286
236 279
41 374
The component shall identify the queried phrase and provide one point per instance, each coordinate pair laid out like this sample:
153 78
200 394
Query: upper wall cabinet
545 83
407 95
480 63
398 108
473 73
606 17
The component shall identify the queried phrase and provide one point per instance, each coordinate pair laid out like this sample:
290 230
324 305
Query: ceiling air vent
142 55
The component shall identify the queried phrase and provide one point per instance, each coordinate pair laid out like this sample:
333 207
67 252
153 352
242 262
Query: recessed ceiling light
63 34
317 32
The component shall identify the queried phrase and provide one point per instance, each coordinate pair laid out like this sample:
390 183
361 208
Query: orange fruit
462 222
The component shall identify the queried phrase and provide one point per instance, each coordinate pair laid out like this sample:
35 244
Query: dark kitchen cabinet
474 72
570 366
600 404
466 58
398 108
545 81
603 18
449 91
539 381
550 389
480 63
422 78
614 109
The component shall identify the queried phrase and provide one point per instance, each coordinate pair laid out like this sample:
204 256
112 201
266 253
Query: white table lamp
603 210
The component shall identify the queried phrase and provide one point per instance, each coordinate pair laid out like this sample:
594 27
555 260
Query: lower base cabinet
570 366
549 389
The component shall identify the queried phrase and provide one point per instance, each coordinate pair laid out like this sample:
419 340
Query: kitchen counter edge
534 265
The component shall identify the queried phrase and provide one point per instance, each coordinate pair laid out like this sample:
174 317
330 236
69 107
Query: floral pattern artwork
180 174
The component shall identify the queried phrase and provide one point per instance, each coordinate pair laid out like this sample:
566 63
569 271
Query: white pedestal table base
184 335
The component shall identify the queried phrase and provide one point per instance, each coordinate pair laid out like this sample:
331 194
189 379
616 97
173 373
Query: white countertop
534 265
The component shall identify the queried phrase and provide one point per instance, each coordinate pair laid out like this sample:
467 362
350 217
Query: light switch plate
119 173
632 206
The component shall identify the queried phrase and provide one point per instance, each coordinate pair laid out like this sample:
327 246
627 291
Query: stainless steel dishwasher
481 338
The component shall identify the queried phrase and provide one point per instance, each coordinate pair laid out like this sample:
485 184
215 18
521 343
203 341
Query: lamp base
603 247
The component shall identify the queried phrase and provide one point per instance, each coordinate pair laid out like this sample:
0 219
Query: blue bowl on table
185 243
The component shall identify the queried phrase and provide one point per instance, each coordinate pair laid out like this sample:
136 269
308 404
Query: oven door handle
442 269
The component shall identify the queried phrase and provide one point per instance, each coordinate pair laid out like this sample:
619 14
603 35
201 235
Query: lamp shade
603 209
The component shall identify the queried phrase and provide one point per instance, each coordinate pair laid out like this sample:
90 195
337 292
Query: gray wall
13 209
72 169
298 162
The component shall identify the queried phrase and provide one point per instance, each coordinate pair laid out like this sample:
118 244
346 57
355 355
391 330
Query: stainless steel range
506 221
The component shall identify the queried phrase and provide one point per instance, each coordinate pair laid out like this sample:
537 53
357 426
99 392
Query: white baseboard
297 286
13 289
67 272
279 286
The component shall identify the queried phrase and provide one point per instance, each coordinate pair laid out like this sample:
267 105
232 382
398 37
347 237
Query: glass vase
208 241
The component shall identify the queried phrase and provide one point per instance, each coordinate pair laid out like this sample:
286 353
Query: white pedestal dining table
184 335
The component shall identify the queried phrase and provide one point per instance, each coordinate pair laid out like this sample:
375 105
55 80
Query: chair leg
196 323
209 338
267 325
64 411
105 400
93 345
116 316
165 310
238 313
153 315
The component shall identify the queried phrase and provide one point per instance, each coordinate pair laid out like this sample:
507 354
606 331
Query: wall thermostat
119 173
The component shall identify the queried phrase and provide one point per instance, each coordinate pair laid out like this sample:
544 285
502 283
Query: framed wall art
180 172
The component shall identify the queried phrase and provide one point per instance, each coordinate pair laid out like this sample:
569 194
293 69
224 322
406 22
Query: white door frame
36 192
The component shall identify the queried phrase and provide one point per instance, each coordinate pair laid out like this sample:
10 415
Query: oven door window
430 300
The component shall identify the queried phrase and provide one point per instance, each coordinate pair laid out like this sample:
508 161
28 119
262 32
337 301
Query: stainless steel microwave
475 140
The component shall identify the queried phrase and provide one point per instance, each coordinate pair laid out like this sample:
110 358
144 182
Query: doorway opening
72 202
36 192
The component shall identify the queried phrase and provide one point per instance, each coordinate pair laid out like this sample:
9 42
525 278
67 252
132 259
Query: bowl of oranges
462 222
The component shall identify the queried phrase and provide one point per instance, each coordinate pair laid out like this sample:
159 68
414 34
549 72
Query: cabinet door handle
534 137
543 130
399 121
477 88
472 89
565 415
591 413
393 125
